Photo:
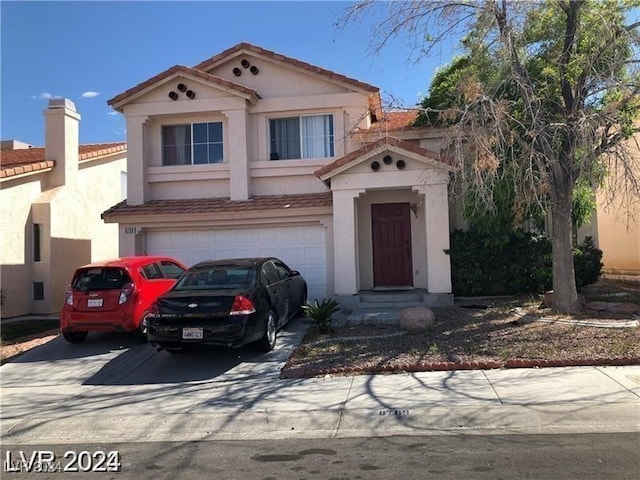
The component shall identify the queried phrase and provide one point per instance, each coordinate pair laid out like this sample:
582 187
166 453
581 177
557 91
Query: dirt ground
22 344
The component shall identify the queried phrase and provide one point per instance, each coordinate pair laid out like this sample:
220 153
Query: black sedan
227 303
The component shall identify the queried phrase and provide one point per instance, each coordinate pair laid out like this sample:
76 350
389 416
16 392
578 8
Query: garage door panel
202 238
302 248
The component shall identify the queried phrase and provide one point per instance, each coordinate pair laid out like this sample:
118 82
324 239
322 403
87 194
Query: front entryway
391 237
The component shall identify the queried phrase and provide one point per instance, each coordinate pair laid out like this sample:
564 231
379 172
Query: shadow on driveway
143 364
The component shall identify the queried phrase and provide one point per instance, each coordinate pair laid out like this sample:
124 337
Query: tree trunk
565 294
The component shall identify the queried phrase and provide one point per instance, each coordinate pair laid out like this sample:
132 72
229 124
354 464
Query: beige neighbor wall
619 241
615 228
76 233
16 242
616 232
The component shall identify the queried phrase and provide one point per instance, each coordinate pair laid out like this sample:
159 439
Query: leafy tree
507 211
552 101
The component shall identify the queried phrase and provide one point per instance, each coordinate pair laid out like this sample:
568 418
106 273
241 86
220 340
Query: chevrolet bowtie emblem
192 305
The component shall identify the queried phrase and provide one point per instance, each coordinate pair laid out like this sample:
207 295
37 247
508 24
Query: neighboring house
51 199
252 153
615 228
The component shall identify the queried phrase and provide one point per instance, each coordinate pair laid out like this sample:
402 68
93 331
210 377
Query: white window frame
303 154
192 144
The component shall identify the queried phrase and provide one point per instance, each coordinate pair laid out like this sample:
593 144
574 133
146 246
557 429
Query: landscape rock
416 319
613 307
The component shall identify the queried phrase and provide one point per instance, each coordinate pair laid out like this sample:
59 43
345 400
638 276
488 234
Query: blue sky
91 51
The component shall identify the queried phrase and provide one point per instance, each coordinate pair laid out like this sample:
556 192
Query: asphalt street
579 457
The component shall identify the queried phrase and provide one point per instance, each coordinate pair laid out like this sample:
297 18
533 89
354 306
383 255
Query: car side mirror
295 273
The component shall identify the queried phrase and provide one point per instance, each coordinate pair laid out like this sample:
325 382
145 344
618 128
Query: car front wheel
75 337
268 340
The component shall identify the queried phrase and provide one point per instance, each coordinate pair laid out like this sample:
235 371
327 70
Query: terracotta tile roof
369 147
252 94
26 160
244 46
397 120
220 205
393 121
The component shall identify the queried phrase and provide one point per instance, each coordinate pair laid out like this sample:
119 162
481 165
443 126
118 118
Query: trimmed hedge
520 265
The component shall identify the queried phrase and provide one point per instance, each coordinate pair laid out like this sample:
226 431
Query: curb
302 372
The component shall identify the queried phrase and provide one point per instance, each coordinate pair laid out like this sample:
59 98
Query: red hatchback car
115 295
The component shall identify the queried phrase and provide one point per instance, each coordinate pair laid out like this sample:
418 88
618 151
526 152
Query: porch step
390 305
375 317
385 307
387 297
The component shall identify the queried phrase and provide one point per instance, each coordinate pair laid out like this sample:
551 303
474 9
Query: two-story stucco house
51 199
251 153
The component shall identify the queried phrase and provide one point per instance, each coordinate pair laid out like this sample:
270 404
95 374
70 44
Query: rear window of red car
101 278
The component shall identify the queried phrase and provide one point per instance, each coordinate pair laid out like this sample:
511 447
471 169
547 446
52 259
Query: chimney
62 140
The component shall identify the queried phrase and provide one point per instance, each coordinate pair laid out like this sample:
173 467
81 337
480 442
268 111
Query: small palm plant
320 313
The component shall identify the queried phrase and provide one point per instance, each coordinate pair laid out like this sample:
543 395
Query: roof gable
181 71
255 51
394 145
209 71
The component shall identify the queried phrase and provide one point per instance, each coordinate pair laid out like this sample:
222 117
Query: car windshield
217 277
101 278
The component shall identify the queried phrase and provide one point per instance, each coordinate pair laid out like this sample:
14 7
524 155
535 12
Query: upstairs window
192 144
301 137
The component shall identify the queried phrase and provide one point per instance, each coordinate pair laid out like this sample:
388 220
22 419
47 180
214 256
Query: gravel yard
492 331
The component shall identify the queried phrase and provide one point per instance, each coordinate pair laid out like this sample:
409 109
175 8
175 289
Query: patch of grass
11 332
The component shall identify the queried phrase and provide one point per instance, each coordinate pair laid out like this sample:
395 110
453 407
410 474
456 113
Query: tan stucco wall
283 92
286 177
619 239
16 242
274 81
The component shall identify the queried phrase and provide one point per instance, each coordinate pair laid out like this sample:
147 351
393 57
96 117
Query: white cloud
90 94
45 96
114 113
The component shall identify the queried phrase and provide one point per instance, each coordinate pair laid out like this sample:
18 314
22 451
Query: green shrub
320 313
587 262
523 264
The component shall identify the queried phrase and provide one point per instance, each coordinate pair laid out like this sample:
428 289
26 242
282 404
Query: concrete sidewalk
45 404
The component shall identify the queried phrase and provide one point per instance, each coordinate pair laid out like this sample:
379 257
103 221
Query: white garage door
302 248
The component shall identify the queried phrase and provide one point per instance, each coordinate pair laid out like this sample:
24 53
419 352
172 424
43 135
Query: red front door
391 235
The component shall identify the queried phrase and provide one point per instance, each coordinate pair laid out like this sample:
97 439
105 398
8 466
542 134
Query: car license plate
192 333
94 302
